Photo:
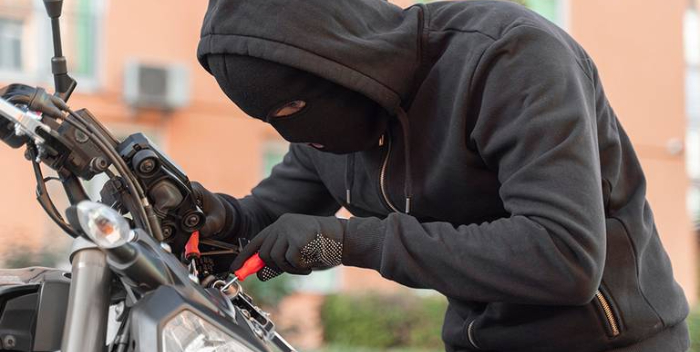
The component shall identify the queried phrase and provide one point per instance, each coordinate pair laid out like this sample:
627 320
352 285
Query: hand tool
251 266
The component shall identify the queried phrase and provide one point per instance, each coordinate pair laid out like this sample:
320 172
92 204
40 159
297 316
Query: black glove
296 244
219 213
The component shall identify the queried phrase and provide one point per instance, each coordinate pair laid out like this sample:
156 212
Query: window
692 91
79 26
10 44
26 44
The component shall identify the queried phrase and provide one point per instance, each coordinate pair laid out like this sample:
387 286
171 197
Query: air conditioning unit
165 87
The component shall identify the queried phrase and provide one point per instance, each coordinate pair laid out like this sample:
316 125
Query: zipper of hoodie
608 312
382 177
470 335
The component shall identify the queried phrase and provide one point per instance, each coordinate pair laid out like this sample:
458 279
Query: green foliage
268 293
23 256
383 321
694 327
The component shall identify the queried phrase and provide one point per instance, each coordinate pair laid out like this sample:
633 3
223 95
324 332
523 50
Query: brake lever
25 122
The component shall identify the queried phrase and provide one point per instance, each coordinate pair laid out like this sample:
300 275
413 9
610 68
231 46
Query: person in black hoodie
475 147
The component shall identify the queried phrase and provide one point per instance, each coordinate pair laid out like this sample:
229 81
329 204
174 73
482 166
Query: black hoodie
528 201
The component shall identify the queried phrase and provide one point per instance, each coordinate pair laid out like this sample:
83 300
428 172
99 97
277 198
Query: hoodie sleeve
292 187
536 128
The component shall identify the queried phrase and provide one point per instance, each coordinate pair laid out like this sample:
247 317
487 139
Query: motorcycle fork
88 301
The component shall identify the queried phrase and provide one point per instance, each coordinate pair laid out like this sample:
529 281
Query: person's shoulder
492 18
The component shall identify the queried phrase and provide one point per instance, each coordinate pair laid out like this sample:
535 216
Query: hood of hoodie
369 46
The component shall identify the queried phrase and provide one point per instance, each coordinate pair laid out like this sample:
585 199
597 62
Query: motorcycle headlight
187 332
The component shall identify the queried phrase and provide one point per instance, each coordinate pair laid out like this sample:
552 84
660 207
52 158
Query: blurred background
135 64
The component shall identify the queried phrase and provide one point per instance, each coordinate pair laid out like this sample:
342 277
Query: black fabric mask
340 119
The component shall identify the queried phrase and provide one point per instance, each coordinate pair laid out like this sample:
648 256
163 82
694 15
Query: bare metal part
88 303
260 322
281 343
470 335
228 251
233 291
230 282
382 178
26 123
227 247
609 315
218 284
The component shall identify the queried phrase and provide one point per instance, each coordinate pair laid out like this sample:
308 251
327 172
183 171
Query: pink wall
637 48
639 53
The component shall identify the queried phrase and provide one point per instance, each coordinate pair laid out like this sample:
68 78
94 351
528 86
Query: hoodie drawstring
408 179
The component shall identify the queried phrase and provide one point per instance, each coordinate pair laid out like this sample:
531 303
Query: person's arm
537 129
292 187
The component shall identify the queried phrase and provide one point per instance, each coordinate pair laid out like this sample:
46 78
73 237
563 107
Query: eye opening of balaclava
288 109
301 106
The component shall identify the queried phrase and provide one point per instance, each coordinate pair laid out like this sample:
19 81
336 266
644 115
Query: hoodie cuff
232 228
363 242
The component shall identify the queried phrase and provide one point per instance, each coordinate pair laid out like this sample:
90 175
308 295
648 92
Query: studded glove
297 244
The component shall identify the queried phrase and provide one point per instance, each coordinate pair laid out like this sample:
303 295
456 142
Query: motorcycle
137 250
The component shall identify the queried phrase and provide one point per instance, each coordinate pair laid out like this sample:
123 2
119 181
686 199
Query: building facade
638 49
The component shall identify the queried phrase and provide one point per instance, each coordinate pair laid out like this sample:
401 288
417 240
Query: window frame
9 22
39 74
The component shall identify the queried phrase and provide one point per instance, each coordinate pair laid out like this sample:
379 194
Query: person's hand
296 244
213 207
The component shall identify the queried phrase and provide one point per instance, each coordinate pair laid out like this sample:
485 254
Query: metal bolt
40 152
9 341
258 331
99 164
102 163
147 166
119 309
166 247
192 220
80 137
167 231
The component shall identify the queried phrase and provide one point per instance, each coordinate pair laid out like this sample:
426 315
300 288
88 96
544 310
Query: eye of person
289 109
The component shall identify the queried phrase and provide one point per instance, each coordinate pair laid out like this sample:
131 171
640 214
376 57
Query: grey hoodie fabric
528 201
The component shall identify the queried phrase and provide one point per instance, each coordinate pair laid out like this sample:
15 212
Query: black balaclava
340 119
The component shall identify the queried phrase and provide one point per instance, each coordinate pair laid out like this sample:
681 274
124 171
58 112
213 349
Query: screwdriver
251 266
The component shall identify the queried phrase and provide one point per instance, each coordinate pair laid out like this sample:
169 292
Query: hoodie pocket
621 287
611 319
471 335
